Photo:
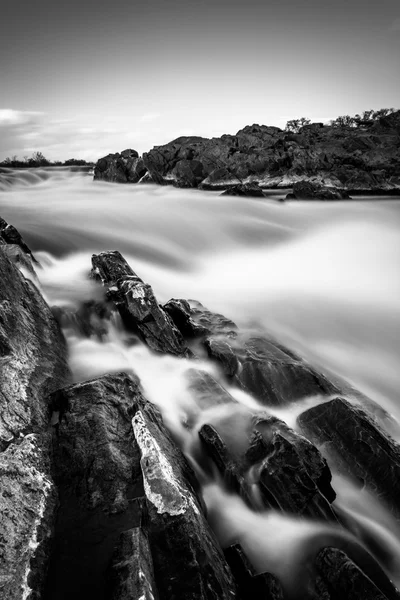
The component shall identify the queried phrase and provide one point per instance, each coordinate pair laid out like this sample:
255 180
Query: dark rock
132 568
10 235
310 191
137 304
187 560
269 157
346 580
97 472
357 447
262 586
257 449
32 363
248 190
126 167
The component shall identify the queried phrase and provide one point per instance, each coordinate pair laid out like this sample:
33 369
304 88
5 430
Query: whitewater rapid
323 278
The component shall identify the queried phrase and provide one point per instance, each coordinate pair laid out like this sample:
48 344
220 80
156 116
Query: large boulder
124 167
33 363
306 190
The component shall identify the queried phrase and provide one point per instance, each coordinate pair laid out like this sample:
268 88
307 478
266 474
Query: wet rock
27 506
10 235
357 446
187 173
137 304
33 358
306 190
98 476
255 449
346 580
132 568
198 569
262 586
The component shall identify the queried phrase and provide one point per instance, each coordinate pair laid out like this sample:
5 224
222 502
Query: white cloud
11 117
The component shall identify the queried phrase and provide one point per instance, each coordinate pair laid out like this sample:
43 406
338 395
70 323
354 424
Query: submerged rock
137 304
357 446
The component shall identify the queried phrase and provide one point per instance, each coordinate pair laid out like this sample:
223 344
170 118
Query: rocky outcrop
10 235
357 446
336 159
32 364
124 167
306 190
137 304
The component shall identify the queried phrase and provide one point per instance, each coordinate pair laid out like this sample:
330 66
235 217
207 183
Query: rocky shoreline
98 500
317 162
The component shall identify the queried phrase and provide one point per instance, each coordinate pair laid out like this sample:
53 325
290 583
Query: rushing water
323 278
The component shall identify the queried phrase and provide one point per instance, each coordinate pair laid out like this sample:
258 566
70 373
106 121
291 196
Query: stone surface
306 190
137 304
187 560
355 159
357 446
262 586
33 358
10 235
124 167
346 580
132 569
98 476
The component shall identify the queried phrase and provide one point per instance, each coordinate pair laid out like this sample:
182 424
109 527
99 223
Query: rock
27 506
124 167
137 304
259 365
346 580
32 363
132 568
357 447
99 481
248 190
187 560
33 359
10 235
257 155
256 449
262 586
309 191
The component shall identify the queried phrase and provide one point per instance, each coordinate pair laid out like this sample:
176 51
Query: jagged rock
33 358
262 586
259 365
10 235
124 167
354 159
32 363
357 447
310 191
252 448
98 476
187 560
132 568
21 259
248 190
137 304
27 507
347 580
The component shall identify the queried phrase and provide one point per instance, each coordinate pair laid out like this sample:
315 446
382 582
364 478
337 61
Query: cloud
10 117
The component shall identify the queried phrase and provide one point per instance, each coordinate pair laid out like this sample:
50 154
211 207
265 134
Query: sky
82 79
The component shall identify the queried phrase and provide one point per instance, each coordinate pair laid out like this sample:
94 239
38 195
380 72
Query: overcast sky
82 79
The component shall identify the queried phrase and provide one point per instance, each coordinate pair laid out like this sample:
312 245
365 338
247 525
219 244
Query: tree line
365 119
39 160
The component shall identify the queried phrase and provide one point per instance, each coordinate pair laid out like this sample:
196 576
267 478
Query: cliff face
362 159
98 499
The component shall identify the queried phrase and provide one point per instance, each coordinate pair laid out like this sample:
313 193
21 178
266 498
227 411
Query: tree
295 125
